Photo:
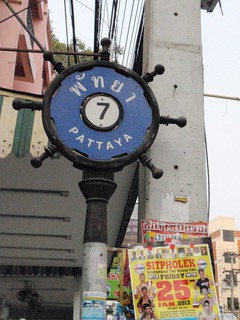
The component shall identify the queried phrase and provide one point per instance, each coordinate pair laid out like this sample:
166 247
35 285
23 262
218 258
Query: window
227 258
236 303
228 280
228 235
23 68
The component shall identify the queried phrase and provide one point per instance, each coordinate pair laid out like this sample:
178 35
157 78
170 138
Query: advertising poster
158 231
93 305
113 284
118 278
173 282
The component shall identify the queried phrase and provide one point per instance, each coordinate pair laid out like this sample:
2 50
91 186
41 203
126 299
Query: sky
84 20
221 61
221 53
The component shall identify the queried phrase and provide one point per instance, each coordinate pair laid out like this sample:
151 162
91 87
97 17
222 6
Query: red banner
157 231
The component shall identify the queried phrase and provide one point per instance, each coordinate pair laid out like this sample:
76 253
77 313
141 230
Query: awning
21 132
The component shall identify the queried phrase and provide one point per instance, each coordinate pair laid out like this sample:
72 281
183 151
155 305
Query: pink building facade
24 75
24 71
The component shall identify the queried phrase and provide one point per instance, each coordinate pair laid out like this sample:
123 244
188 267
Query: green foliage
117 51
66 60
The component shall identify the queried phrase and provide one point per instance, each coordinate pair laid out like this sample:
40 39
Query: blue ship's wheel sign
100 115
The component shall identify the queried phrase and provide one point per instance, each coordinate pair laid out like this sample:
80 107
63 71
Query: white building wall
228 223
216 227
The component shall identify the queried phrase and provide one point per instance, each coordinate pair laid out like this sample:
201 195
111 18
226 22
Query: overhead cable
133 26
26 8
24 25
130 19
90 54
123 20
97 23
66 29
73 29
136 24
113 19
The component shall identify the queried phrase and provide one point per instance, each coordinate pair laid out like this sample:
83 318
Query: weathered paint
7 126
39 139
1 102
21 132
94 269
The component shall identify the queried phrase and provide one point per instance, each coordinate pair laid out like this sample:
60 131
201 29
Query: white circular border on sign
101 112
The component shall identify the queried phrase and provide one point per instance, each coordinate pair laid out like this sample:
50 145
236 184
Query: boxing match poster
173 282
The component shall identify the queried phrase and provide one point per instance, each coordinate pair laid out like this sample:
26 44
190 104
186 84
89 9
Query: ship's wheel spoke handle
36 162
57 65
146 161
180 122
19 104
148 77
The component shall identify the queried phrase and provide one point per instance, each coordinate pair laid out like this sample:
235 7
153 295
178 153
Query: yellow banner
174 282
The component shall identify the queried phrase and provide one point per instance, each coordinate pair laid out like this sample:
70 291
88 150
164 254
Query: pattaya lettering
125 138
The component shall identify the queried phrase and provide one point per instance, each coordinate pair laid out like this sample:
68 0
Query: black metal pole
97 187
96 29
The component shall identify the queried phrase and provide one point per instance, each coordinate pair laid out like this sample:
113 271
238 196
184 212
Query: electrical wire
26 8
137 30
105 9
134 26
102 19
128 30
122 26
229 248
85 6
38 43
73 30
116 34
123 20
113 19
110 27
90 54
66 29
93 11
208 175
99 20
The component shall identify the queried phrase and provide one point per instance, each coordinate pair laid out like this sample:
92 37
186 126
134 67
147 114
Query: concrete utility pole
232 284
232 272
173 38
